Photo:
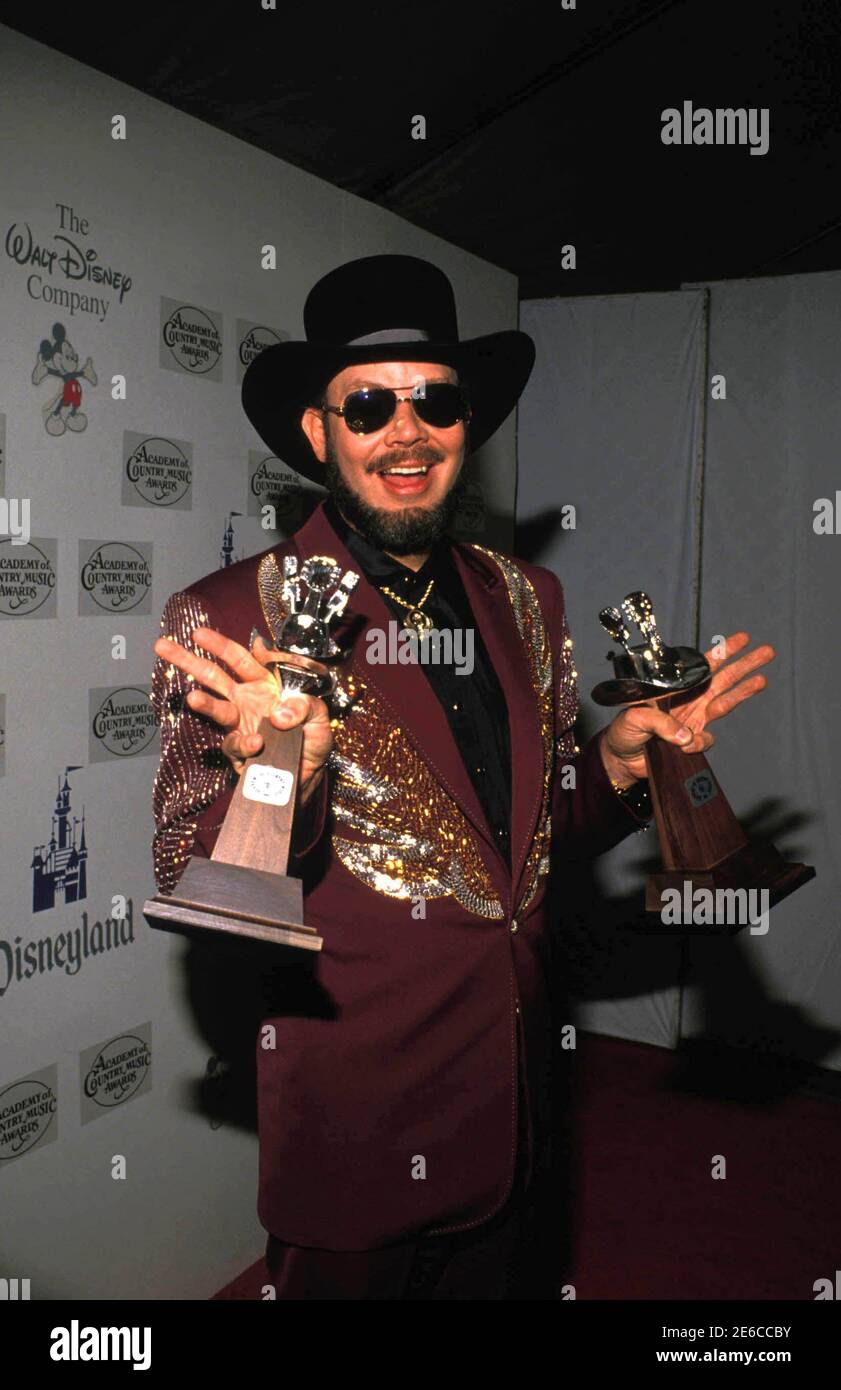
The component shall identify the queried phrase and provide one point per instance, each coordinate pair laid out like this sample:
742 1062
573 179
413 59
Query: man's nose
405 425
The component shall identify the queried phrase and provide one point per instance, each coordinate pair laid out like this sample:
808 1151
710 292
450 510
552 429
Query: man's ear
312 423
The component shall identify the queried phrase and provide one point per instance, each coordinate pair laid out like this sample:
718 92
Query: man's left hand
624 740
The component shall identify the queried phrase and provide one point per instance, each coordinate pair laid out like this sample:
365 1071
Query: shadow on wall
231 988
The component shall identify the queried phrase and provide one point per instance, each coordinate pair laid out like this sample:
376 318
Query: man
402 1103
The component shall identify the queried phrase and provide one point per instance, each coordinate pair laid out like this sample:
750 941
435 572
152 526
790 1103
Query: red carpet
649 1220
653 1223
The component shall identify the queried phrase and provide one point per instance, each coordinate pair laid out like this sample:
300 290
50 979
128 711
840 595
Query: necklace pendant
418 621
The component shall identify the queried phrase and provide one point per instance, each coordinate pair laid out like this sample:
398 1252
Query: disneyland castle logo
226 551
59 869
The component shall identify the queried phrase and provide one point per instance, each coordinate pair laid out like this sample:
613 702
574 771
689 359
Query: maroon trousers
507 1257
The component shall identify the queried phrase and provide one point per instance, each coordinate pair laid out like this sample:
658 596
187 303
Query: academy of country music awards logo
122 723
115 577
192 339
110 1074
28 1110
28 578
157 471
114 1072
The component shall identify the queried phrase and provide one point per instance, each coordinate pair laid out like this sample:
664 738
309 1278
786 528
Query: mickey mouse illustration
60 358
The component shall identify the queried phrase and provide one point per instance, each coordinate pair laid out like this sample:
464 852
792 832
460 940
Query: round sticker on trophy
270 784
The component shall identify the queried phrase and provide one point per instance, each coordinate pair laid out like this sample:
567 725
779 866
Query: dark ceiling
543 124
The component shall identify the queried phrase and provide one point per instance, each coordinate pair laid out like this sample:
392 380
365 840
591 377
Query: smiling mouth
406 470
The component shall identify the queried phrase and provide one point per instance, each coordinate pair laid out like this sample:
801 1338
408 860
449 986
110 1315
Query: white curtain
610 424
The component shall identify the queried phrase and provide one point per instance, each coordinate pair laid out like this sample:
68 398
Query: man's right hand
255 695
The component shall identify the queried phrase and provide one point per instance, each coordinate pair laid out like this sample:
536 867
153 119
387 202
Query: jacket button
515 925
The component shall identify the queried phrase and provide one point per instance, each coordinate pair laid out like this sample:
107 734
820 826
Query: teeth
406 472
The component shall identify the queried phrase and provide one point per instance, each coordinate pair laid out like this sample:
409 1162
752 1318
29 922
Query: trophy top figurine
650 669
300 615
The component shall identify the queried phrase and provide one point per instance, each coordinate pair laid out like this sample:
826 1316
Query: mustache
423 454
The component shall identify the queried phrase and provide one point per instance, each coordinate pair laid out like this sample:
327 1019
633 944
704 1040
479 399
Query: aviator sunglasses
371 407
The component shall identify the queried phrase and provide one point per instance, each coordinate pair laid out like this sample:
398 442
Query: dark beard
410 531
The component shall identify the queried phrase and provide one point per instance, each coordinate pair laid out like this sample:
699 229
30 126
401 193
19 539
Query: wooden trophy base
243 891
705 848
758 866
214 897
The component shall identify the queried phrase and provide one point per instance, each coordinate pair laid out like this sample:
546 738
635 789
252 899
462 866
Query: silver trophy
702 843
650 668
300 614
243 889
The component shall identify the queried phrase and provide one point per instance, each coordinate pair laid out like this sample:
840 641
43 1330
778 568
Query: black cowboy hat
379 309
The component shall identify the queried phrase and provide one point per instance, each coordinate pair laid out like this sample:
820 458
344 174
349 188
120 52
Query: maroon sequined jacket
434 957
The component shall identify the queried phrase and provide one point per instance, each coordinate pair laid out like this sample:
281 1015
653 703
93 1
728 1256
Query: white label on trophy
270 784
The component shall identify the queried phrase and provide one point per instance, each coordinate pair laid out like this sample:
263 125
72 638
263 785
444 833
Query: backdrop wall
126 1167
712 511
771 456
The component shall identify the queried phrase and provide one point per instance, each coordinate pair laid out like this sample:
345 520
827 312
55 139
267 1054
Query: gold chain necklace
415 618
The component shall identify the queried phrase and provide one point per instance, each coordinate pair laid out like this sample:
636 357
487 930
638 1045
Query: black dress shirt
474 704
